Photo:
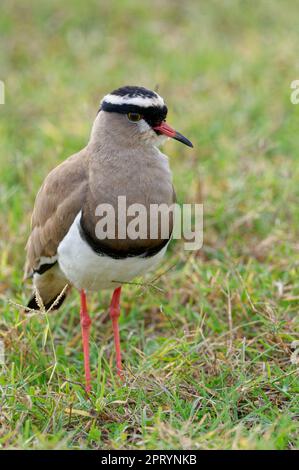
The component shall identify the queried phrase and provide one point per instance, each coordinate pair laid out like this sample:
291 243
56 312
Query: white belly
87 270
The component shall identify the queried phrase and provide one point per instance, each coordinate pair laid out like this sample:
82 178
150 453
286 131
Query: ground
208 339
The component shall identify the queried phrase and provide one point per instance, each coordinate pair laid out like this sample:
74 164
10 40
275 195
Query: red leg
85 327
114 314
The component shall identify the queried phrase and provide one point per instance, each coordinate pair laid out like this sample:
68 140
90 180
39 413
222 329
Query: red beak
164 128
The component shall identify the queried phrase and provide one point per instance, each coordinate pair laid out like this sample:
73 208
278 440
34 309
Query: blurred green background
209 359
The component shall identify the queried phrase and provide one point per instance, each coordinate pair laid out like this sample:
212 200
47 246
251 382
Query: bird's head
135 115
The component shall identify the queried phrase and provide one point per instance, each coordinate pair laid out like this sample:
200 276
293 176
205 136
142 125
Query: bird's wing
57 203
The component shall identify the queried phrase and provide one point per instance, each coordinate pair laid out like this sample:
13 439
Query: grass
208 359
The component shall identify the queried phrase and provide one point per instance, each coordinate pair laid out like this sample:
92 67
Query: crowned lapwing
121 159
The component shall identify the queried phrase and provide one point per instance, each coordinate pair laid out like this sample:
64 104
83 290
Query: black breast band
101 248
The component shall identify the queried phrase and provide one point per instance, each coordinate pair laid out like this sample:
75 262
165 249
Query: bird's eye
134 117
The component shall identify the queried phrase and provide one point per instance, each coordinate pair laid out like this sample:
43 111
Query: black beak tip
183 139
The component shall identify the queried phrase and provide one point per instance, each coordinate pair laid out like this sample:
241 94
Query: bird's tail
55 302
50 289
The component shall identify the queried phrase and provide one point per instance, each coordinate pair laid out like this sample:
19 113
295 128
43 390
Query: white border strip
145 102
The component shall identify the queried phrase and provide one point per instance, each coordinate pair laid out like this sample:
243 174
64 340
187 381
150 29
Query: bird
121 159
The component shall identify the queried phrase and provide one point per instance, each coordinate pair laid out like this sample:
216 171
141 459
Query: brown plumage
57 203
